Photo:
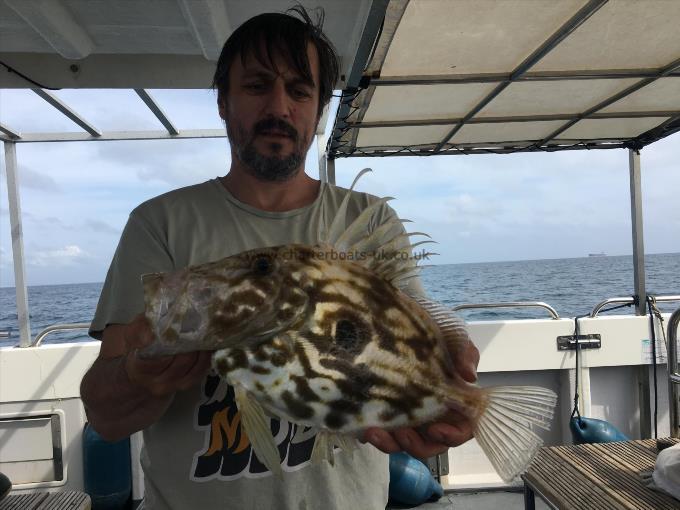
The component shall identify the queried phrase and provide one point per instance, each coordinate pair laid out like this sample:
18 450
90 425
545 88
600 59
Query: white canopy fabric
149 43
477 76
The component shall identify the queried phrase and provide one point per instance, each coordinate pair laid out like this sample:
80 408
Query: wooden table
595 477
66 500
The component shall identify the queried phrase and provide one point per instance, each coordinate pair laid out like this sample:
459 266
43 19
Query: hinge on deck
438 465
568 342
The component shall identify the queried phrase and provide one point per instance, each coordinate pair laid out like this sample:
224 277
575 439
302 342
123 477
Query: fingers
138 334
466 361
382 440
451 430
450 435
404 439
166 375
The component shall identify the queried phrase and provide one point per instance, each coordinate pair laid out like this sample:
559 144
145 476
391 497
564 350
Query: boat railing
673 375
510 304
628 300
58 327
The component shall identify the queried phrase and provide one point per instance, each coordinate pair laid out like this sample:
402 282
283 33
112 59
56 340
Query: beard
272 168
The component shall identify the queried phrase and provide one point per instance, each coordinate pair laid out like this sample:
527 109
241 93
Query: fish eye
262 265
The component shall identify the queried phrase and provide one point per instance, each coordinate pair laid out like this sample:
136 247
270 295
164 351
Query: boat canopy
164 44
419 77
486 76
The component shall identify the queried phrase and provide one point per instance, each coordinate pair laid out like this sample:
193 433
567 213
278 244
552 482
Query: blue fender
411 482
591 430
107 470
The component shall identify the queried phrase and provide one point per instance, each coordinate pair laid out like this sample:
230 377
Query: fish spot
296 406
346 334
222 366
259 386
278 359
304 390
259 369
238 359
285 314
335 420
262 265
345 406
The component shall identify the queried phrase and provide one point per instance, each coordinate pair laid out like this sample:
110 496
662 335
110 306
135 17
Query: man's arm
123 393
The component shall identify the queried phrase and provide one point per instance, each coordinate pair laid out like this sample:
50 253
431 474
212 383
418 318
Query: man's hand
432 439
123 393
165 375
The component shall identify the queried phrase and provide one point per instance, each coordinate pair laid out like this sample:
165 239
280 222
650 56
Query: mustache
273 123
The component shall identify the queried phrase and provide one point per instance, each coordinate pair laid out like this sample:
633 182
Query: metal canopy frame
355 103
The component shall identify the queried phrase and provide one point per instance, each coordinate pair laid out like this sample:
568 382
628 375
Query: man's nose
278 101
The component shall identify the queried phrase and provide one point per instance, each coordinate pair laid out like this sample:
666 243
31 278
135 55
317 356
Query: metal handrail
58 327
673 376
628 300
510 304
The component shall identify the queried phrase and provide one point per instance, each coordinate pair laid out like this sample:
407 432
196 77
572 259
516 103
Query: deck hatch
31 449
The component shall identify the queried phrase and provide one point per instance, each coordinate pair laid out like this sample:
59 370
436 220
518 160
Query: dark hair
264 35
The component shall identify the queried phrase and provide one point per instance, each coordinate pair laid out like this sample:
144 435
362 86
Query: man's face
271 115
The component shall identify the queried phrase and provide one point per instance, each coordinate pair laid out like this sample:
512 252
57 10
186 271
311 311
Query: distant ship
601 254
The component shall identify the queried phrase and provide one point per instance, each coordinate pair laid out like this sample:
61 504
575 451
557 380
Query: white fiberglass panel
414 102
552 97
623 34
603 129
505 132
661 95
402 136
472 36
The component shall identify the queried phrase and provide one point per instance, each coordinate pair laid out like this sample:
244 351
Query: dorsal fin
453 328
384 249
338 225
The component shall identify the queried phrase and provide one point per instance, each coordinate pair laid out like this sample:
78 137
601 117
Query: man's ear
222 106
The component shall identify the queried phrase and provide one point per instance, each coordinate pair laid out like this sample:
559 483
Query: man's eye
301 93
256 86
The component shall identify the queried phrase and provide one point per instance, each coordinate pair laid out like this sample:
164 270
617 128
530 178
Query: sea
572 286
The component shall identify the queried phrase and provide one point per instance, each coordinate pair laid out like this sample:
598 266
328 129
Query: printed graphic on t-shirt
227 454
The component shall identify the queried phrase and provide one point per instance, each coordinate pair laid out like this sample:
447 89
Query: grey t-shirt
196 456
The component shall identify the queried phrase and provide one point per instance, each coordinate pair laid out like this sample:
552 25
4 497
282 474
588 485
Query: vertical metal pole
330 170
636 223
17 243
644 401
321 149
673 376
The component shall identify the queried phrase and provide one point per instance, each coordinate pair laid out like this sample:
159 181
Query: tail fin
504 429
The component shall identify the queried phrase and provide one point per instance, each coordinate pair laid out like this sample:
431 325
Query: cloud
101 227
66 256
29 178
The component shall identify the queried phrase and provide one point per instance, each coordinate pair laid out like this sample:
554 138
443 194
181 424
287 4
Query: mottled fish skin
360 353
218 304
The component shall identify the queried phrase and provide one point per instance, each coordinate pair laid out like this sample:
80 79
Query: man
274 76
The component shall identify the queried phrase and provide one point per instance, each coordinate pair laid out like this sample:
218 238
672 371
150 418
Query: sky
76 196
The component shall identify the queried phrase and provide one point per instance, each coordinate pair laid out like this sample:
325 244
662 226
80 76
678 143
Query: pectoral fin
325 443
255 424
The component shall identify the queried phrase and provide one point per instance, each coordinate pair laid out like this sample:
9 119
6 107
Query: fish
331 337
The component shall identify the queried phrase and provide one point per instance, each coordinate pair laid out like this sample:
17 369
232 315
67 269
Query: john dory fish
328 336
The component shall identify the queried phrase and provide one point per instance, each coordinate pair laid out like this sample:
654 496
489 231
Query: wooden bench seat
66 500
600 476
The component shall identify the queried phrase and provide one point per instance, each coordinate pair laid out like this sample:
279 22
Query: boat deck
68 500
492 500
597 477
